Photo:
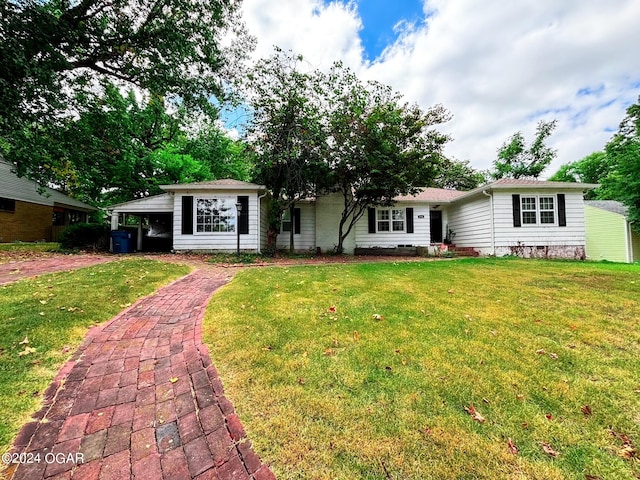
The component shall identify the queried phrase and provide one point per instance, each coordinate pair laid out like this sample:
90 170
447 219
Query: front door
436 226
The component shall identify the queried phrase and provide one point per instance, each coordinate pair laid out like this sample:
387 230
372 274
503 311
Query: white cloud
498 66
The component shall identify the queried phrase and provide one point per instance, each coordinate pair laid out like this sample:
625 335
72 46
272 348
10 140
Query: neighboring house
27 215
609 233
528 218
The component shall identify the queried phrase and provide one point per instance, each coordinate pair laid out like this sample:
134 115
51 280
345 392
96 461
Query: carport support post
139 239
114 226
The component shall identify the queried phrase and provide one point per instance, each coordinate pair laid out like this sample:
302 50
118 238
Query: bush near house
93 236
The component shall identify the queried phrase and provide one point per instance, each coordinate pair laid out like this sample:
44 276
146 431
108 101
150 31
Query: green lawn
365 371
54 312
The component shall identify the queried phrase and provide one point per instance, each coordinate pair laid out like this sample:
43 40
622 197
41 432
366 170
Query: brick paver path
12 271
141 399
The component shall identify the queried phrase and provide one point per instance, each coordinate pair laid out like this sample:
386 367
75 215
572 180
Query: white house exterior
204 215
509 217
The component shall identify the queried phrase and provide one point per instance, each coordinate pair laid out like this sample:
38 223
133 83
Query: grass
365 370
54 312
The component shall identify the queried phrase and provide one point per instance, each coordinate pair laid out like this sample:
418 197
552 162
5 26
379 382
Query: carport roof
222 184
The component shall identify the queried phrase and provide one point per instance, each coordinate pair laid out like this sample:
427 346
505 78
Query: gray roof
608 205
26 190
222 184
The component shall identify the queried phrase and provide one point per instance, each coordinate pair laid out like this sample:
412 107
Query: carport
149 220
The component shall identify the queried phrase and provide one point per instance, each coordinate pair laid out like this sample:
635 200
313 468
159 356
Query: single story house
530 218
609 233
30 213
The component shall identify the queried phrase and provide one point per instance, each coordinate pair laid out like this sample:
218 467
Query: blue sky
379 21
499 67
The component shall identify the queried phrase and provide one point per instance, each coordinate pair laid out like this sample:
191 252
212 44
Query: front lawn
43 321
464 369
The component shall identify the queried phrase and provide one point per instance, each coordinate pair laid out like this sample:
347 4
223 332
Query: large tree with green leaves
517 160
593 168
378 146
121 148
286 133
52 52
457 175
623 150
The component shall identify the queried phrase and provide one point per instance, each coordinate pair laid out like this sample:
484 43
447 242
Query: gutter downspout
260 197
493 233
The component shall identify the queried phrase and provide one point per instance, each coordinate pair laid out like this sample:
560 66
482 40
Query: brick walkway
140 399
13 271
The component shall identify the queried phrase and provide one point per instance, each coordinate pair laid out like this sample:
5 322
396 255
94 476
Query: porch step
464 251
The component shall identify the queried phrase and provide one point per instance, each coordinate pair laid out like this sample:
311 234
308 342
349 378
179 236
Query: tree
593 168
624 151
286 134
515 160
457 175
121 148
378 148
54 53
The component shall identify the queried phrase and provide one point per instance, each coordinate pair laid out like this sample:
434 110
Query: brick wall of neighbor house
29 223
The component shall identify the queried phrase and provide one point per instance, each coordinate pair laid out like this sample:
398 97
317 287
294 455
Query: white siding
306 239
419 237
215 241
471 222
506 235
155 204
328 211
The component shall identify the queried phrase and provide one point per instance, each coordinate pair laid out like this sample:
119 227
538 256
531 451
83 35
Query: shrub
94 236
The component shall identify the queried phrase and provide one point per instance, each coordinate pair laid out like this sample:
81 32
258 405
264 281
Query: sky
499 67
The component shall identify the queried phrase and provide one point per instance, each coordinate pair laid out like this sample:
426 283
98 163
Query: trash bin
121 241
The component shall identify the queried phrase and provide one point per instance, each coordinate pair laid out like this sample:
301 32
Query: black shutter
187 215
372 220
515 199
296 220
409 212
562 211
243 218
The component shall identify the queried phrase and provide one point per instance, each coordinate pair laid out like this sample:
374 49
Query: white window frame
537 210
393 216
231 214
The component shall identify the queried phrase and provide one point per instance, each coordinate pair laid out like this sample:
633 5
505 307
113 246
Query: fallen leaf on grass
627 451
26 351
301 381
548 449
65 349
475 414
329 352
450 291
541 351
554 356
356 335
25 341
332 309
43 302
377 317
549 416
586 409
512 447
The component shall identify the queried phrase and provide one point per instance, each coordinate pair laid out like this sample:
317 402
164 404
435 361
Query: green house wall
606 235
